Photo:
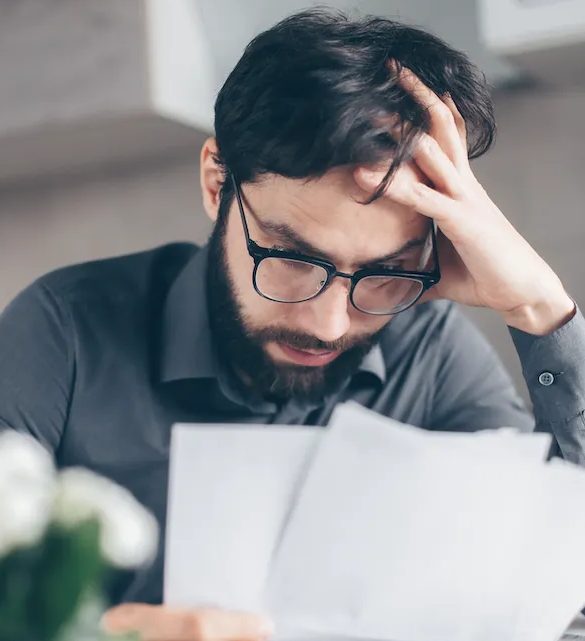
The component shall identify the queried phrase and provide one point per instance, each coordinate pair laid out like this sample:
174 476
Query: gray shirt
97 361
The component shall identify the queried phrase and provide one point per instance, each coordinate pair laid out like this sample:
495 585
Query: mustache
306 341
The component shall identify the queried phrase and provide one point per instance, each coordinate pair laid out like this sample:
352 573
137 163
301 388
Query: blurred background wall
104 105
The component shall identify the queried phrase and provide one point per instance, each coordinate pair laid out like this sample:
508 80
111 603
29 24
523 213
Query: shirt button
546 379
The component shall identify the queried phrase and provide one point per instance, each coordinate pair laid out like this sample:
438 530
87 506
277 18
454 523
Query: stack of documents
370 529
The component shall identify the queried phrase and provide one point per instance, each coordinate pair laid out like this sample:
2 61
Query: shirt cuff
554 369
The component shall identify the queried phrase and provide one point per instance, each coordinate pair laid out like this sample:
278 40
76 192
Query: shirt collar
373 362
187 343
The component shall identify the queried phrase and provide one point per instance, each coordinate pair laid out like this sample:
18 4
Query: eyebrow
288 235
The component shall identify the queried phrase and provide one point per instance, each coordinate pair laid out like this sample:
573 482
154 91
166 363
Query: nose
326 317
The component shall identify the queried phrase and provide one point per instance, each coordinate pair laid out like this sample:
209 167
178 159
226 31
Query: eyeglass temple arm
436 250
249 241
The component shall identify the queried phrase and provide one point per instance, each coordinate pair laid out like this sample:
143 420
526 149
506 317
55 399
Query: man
348 222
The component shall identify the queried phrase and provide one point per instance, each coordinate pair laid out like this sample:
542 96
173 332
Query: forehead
327 212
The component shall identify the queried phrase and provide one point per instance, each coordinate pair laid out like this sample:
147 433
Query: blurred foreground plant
60 535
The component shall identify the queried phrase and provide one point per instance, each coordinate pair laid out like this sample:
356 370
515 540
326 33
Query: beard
242 348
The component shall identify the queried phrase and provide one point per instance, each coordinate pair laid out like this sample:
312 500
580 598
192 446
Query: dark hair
315 92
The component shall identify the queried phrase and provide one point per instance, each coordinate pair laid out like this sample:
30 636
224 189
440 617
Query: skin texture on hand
161 623
484 261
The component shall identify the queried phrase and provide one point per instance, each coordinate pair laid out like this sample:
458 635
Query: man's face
303 349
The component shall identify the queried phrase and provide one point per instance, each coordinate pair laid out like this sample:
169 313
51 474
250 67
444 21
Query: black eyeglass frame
258 254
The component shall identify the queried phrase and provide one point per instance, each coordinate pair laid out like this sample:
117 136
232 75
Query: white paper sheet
406 537
555 573
230 490
372 530
505 443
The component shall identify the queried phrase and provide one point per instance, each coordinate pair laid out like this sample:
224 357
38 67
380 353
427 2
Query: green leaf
17 575
70 565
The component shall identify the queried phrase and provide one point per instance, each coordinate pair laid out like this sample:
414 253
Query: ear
211 177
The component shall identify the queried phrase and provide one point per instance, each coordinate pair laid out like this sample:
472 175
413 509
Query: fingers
413 194
435 164
458 118
447 124
160 623
441 156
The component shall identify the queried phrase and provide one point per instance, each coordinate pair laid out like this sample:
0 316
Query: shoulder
129 276
95 289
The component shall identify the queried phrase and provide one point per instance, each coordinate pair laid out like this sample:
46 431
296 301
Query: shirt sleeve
554 370
36 365
473 390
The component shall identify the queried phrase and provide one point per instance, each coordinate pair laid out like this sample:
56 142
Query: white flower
26 490
31 495
129 532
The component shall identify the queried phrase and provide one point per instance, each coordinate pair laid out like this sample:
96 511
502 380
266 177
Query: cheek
366 323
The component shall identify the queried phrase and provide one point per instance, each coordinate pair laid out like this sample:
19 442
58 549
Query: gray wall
536 174
44 225
230 24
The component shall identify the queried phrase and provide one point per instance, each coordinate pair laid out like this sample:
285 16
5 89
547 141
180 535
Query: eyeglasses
290 277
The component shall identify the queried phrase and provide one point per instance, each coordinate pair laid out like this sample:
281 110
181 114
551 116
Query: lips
313 358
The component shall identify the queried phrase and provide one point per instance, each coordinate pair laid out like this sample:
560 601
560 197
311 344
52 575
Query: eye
406 263
288 250
298 266
399 264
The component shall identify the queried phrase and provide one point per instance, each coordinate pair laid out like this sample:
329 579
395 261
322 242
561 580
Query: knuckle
427 143
443 114
420 189
422 195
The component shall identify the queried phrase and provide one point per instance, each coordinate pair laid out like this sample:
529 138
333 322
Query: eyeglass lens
292 281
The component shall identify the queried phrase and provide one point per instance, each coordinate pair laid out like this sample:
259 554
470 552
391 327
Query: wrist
543 317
